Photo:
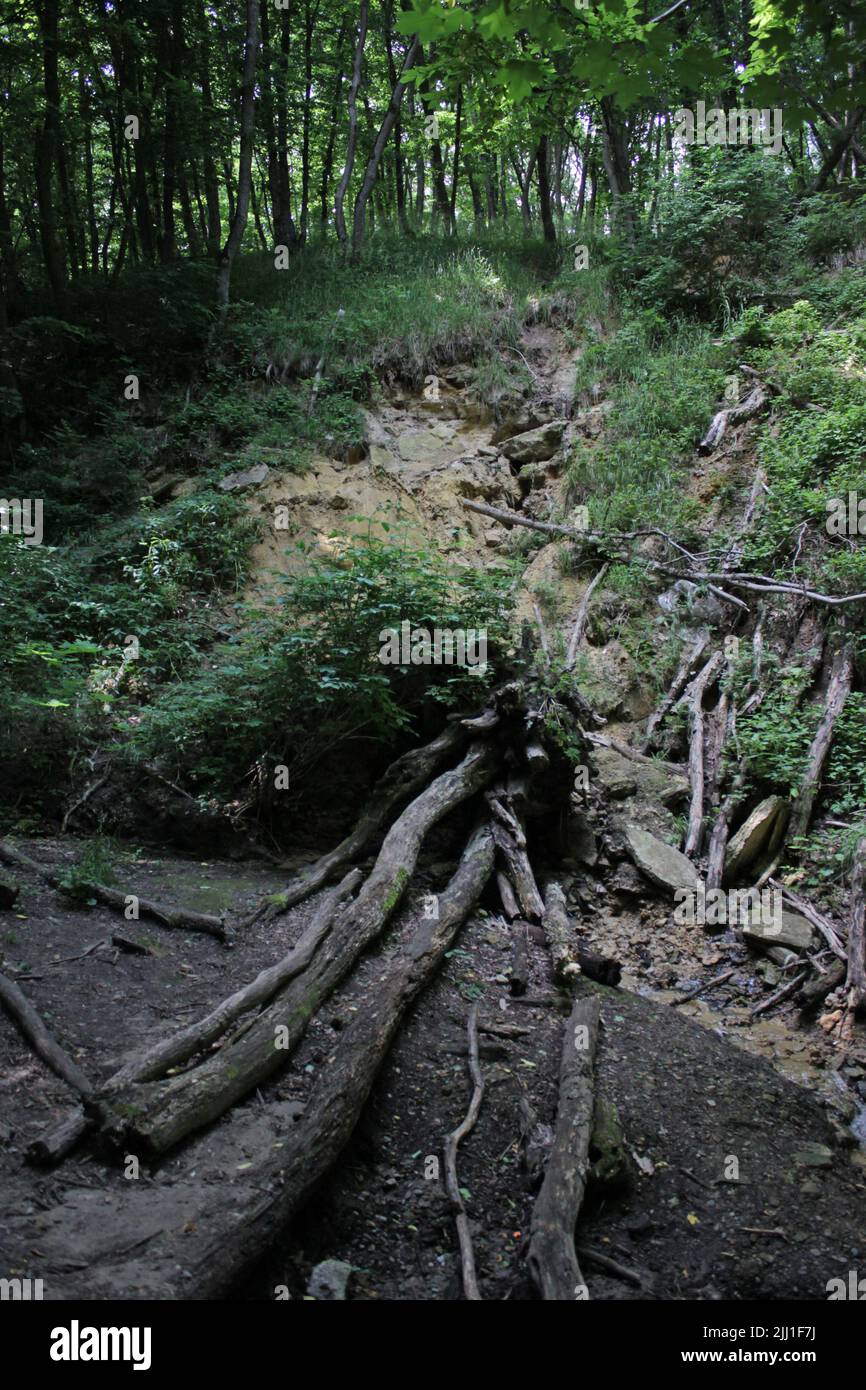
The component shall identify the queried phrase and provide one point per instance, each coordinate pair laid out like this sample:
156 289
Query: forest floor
733 1172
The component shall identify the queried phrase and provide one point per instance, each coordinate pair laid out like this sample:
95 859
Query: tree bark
552 1257
352 141
245 168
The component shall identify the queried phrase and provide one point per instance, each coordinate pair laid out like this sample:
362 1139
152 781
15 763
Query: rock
660 862
329 1281
8 891
579 839
620 777
374 430
814 1156
759 835
792 931
627 880
248 478
534 446
615 773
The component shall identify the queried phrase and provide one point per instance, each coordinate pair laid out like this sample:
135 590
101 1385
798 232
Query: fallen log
227 1246
855 980
815 991
452 1185
120 902
557 931
54 1145
407 775
22 1012
511 842
838 689
695 696
552 1257
518 974
159 1115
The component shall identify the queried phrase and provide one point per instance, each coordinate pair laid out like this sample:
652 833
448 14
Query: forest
432 657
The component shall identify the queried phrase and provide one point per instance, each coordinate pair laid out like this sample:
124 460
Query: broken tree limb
163 1113
695 696
733 415
224 1246
580 619
552 1257
403 778
557 931
511 843
22 1012
815 991
120 902
452 1185
518 974
856 976
60 1140
811 913
838 689
684 670
506 893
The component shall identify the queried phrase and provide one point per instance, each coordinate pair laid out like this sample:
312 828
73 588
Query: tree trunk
543 162
381 141
245 170
352 141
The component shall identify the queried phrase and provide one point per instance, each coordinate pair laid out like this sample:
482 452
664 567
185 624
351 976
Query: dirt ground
678 1222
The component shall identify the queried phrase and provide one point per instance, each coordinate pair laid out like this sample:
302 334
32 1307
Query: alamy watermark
22 516
846 517
419 646
738 126
719 907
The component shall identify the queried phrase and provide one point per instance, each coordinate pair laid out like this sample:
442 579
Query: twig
452 1186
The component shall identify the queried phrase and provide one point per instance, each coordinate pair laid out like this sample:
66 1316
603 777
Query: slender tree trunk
211 180
455 166
380 142
351 144
45 159
248 117
542 156
328 158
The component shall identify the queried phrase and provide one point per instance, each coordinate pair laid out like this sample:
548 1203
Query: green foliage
661 381
95 864
303 675
774 739
727 237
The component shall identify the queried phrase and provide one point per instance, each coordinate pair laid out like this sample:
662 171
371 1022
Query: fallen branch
22 1012
856 977
552 1257
225 1246
784 992
557 931
733 415
452 1186
838 690
165 1112
684 670
171 1052
695 696
580 620
405 776
121 902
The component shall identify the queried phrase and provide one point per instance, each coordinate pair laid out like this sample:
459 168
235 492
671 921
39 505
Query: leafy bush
303 675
